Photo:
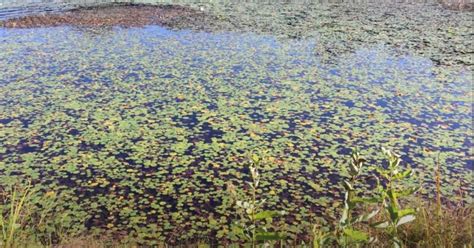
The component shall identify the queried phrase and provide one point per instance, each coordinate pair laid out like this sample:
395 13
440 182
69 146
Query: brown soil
115 15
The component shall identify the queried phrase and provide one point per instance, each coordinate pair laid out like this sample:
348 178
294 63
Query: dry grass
450 228
439 222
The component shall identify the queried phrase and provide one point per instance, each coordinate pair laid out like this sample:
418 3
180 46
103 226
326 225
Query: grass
13 215
448 225
30 218
388 218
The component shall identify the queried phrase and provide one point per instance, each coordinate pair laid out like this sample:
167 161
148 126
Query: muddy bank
115 15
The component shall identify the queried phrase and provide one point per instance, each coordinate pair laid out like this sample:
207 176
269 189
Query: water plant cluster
141 130
26 220
424 28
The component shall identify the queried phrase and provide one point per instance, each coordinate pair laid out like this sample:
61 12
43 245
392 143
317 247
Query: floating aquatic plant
142 128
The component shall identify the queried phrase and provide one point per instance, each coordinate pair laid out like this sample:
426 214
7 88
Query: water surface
143 127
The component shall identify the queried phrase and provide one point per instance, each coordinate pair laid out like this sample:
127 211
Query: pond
143 127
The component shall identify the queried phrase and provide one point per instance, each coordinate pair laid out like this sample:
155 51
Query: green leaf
255 158
316 187
356 235
74 105
393 211
391 194
263 236
382 172
266 214
237 230
406 211
353 169
348 186
366 200
344 216
408 192
403 174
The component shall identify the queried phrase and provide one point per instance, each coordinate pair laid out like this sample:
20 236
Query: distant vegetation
389 216
458 4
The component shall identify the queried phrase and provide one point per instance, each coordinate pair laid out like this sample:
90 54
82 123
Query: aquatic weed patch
419 27
141 129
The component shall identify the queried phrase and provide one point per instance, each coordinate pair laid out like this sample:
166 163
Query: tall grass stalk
12 213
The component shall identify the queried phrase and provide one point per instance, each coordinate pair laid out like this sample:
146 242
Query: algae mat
142 128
